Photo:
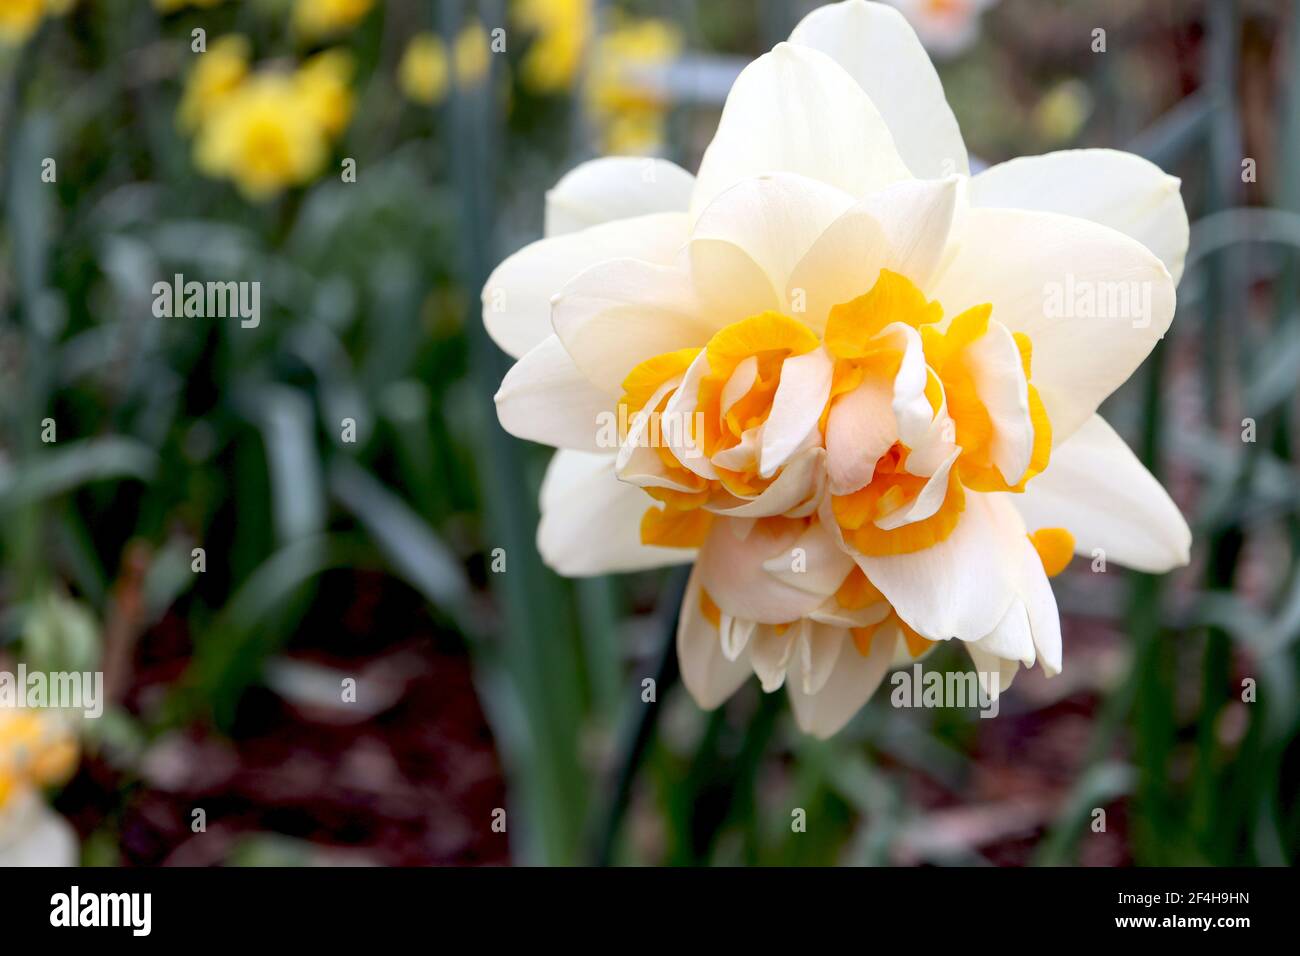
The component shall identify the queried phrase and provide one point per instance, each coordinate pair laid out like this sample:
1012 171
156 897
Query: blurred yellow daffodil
37 749
422 73
268 130
562 29
321 18
218 74
625 107
20 18
323 85
263 138
625 104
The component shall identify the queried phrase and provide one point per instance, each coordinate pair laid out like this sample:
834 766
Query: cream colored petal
814 562
851 683
731 570
544 398
735 634
681 409
706 672
994 673
795 492
616 187
1106 186
770 654
927 503
859 429
517 295
904 228
818 647
880 50
831 613
960 587
1096 489
774 219
34 835
621 312
795 110
743 455
796 407
1093 301
1000 383
591 521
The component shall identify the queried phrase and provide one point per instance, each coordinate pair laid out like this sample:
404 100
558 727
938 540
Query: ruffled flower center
912 413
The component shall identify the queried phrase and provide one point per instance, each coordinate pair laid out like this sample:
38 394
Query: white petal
742 380
621 312
831 613
773 219
735 634
706 672
960 587
995 364
770 655
544 398
34 835
1114 188
854 679
994 673
743 455
795 110
927 503
841 265
796 407
1040 271
859 429
1012 639
813 562
517 295
879 49
1040 604
681 408
795 492
616 187
730 284
591 521
891 632
641 423
1031 628
1096 489
903 228
731 570
638 459
819 647
912 409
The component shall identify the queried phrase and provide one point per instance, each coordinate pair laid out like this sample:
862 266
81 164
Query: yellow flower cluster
20 18
423 73
627 109
37 749
562 28
265 130
315 19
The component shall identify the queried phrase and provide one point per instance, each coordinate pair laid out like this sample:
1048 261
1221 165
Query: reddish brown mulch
415 783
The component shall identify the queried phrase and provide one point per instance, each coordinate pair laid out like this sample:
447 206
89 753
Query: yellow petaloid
745 363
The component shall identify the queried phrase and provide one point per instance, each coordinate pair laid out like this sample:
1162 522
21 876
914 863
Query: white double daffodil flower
852 383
